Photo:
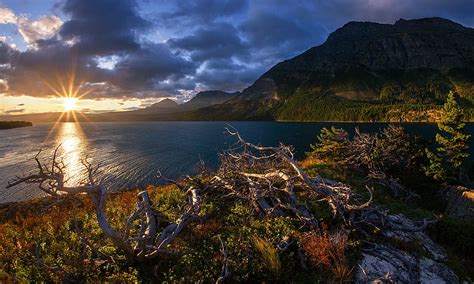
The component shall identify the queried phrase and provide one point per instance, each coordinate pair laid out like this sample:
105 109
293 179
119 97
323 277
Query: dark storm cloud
103 27
227 75
6 53
203 11
221 40
154 62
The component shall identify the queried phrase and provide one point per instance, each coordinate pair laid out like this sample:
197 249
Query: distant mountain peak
165 103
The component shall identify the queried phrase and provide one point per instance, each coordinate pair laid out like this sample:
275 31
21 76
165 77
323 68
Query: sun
69 104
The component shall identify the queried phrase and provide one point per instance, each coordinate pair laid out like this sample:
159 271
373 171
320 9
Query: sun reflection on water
73 149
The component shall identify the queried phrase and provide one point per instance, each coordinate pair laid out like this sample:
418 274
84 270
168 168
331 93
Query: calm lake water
132 153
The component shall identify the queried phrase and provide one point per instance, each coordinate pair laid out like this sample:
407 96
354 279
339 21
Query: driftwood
146 243
269 179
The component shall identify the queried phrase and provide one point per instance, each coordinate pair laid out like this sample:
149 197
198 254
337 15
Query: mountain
364 71
162 107
208 98
201 100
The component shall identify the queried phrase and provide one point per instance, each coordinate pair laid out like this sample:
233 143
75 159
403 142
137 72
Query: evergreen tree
332 144
447 162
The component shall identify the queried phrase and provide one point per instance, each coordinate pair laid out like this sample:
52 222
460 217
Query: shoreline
266 121
14 124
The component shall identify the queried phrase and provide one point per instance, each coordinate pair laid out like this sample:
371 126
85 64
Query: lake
132 153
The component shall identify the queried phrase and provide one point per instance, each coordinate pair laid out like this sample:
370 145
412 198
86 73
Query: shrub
327 252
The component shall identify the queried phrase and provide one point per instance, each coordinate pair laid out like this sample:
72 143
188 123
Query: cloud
203 11
43 28
151 64
103 27
3 86
278 36
6 53
13 111
7 16
31 31
221 40
227 75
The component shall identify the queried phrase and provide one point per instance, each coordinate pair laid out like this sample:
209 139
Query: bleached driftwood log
146 243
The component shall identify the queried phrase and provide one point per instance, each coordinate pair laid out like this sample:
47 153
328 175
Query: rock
460 202
401 228
384 264
433 272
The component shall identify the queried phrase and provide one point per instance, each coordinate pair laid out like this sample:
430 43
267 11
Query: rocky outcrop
460 202
403 229
386 263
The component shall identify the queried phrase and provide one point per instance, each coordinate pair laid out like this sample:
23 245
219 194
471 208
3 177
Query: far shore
14 124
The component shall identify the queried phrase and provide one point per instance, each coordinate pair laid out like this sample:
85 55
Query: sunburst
69 104
69 92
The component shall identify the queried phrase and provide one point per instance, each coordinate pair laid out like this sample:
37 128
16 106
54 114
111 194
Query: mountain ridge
360 67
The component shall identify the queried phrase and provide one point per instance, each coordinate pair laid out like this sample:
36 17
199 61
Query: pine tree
332 144
448 161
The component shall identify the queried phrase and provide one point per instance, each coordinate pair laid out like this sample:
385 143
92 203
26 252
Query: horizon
55 58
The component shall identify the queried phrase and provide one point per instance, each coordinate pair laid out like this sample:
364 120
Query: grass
269 255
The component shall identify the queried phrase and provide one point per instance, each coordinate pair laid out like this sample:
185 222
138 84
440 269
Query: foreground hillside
259 217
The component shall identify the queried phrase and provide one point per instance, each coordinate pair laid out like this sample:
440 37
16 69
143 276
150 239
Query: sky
127 54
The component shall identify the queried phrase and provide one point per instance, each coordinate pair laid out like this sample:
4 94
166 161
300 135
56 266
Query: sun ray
63 88
54 126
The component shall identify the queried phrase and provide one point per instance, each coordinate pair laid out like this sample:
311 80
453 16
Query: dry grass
268 254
